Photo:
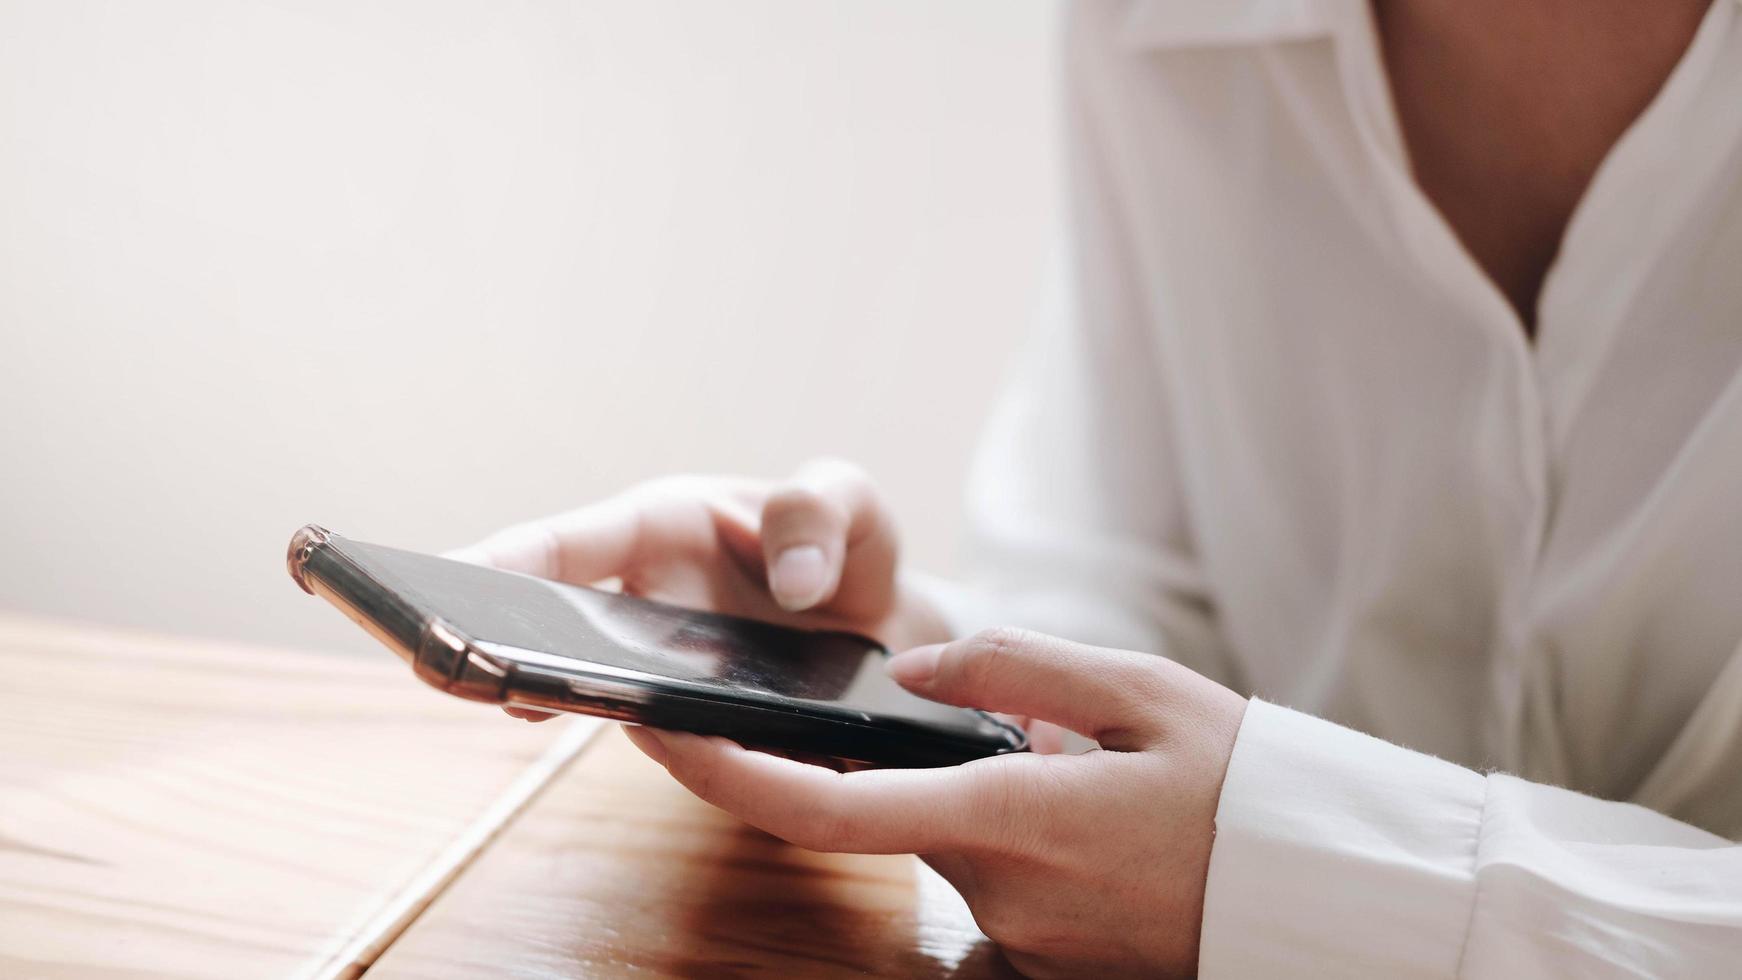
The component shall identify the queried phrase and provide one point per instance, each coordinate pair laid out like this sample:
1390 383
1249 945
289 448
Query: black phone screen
627 636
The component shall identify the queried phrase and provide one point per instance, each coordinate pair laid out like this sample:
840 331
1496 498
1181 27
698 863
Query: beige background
419 269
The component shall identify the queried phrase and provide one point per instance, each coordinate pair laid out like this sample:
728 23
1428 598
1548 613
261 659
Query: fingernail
916 666
798 577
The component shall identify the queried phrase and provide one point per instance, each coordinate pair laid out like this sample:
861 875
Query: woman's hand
1075 865
818 550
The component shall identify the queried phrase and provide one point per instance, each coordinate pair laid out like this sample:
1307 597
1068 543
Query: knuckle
828 834
823 825
701 780
989 650
1146 697
844 482
657 499
998 640
792 504
981 643
1149 680
790 498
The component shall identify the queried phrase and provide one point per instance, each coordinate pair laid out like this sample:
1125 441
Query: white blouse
1283 429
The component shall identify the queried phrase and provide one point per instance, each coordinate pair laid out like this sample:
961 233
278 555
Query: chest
1416 523
1508 108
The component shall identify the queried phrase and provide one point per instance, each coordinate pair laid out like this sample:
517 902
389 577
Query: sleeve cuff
1338 854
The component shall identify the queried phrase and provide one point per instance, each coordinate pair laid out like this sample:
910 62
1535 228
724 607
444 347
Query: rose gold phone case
449 660
439 654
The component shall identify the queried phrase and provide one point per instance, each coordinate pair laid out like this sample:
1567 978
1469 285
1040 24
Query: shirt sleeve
1338 854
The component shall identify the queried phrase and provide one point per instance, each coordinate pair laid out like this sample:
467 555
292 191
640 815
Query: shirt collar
1223 23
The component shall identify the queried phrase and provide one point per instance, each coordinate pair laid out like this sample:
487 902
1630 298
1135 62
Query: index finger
874 811
580 546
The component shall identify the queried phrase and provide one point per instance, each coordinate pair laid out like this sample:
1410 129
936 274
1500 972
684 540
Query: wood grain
182 808
616 871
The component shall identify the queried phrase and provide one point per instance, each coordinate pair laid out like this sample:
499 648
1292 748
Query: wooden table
185 808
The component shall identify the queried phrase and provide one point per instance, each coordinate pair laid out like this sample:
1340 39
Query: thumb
828 541
1112 696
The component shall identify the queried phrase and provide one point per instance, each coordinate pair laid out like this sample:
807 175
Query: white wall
418 269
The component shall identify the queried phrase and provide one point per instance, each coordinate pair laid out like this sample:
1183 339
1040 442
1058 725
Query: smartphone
504 638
